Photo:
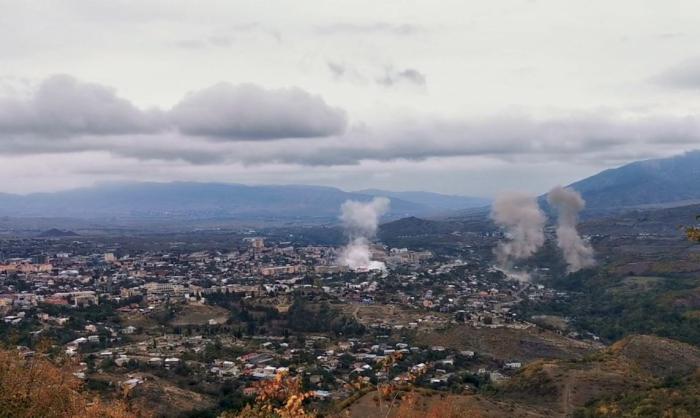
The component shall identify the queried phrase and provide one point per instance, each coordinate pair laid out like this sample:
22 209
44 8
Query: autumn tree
281 397
33 387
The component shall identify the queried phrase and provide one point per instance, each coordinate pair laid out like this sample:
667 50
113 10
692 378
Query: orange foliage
280 397
443 408
36 387
693 233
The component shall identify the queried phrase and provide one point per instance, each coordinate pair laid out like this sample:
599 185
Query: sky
460 97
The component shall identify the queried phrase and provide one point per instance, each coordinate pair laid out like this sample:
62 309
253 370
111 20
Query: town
227 319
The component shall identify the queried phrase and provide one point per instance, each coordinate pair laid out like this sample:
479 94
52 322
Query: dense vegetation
604 306
675 397
305 317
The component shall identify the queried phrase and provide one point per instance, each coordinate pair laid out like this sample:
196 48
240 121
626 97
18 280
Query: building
277 270
156 290
257 243
77 299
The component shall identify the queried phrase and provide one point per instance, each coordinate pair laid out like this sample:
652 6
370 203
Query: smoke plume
523 221
568 203
360 221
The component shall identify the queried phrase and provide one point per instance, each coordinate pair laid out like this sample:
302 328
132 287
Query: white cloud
685 75
248 111
64 106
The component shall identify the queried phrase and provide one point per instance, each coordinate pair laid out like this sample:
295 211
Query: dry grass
509 344
36 387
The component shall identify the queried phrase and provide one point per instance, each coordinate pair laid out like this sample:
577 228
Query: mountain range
673 181
188 200
666 182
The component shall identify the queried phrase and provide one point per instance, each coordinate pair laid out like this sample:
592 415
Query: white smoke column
523 221
568 203
361 221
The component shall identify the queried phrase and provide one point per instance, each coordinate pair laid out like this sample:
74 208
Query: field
509 344
637 284
160 396
368 314
196 314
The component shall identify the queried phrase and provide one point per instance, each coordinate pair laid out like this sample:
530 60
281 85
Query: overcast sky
461 97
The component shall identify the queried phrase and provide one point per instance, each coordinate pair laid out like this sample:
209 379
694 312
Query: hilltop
57 233
635 365
673 181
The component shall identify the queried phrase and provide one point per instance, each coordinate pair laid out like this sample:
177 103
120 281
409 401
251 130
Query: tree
281 397
36 387
693 232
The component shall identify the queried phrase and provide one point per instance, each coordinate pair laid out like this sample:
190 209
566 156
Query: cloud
685 75
387 77
251 125
409 75
247 111
572 138
345 72
368 28
587 139
64 106
230 35
190 44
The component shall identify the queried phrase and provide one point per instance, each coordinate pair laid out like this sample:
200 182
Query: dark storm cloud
685 75
63 106
248 111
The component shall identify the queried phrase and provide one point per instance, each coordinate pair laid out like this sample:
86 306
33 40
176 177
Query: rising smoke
568 203
523 221
361 221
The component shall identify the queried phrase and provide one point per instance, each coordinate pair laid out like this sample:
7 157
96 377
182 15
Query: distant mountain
187 200
669 182
57 233
435 201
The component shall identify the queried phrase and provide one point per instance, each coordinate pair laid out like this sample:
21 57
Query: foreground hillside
614 381
36 387
642 376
